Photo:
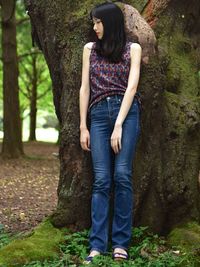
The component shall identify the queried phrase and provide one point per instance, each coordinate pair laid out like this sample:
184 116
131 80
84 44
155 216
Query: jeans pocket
118 101
95 107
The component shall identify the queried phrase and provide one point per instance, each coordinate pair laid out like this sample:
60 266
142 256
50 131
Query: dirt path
28 187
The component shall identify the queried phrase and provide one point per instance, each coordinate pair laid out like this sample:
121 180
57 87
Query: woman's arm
134 74
84 98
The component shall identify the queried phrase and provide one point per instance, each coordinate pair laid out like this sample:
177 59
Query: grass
5 238
146 250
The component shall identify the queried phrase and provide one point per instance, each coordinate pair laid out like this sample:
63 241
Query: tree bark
33 101
167 160
12 140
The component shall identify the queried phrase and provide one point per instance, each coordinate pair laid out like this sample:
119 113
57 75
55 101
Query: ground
28 186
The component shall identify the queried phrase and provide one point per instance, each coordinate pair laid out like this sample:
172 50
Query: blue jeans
112 168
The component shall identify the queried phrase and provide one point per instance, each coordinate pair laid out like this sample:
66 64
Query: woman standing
110 75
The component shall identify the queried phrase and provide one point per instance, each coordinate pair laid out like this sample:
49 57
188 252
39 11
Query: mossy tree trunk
167 159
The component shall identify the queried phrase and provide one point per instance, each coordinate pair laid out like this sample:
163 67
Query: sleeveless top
107 78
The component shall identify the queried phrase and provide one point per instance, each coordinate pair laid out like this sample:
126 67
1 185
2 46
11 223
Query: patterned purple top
108 78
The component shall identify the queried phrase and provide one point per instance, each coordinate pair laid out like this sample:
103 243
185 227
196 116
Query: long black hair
113 41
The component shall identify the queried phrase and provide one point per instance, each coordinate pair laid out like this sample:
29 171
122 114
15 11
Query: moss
182 71
41 244
180 108
187 238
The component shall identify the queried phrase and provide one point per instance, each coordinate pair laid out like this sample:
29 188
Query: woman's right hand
85 139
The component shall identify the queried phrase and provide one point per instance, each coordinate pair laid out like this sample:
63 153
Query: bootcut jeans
110 168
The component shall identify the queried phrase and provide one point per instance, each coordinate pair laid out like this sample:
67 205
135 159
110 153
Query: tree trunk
167 160
33 102
12 140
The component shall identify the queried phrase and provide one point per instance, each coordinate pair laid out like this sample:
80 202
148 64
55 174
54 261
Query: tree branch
27 73
41 69
45 92
25 94
20 21
28 54
28 94
25 55
40 81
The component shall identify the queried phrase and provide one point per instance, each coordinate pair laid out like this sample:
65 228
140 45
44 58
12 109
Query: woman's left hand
116 138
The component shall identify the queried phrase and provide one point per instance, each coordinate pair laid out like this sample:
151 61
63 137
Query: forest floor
28 187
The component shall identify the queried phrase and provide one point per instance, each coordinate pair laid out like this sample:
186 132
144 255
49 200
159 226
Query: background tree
33 78
12 140
34 74
167 160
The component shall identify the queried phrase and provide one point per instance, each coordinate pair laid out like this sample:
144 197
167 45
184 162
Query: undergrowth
146 250
5 237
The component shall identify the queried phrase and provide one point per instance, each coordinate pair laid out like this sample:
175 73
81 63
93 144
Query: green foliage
27 55
7 237
4 236
76 244
146 249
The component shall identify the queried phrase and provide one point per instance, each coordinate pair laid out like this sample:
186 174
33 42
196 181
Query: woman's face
98 27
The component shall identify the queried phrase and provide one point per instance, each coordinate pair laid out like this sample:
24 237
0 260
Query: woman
110 75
